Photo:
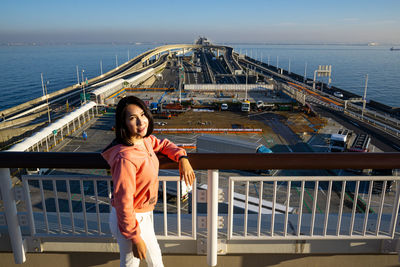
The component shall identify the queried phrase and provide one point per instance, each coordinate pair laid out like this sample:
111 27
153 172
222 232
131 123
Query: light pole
245 98
101 67
116 61
365 97
277 63
44 87
305 72
83 88
77 74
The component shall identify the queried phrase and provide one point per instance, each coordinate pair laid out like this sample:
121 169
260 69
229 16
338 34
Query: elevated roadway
380 121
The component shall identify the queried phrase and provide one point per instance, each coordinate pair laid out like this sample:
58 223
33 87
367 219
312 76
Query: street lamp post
305 72
365 97
277 63
44 87
247 70
83 88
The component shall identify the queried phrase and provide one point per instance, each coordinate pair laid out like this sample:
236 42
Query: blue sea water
21 66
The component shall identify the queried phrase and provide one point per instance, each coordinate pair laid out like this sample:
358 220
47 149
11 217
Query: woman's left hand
186 171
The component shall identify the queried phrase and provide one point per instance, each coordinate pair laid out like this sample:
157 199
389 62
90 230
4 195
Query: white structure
55 132
229 87
112 89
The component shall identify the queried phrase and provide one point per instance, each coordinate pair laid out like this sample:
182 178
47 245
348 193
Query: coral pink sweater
134 172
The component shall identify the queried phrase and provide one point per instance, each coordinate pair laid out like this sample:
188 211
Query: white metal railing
80 205
313 225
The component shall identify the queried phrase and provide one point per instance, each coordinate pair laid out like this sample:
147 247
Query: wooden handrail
231 161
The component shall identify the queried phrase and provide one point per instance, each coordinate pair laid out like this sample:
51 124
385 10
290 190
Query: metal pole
315 77
128 54
83 87
41 76
10 209
365 96
84 95
305 72
277 63
116 61
101 67
77 73
82 76
289 66
268 60
246 84
212 217
47 102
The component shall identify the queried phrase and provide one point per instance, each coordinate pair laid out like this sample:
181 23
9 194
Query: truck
245 106
224 144
360 143
153 107
263 106
339 142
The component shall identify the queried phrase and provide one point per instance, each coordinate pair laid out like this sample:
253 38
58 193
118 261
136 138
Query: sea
21 66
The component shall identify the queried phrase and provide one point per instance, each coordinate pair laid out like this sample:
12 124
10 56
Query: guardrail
92 224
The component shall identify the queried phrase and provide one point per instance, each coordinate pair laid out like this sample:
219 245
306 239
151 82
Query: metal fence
78 206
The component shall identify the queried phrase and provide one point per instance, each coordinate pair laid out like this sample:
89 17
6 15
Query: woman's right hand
139 249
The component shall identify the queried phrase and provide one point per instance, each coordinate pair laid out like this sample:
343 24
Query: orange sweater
134 172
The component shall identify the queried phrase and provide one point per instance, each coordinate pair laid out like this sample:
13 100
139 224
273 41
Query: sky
221 21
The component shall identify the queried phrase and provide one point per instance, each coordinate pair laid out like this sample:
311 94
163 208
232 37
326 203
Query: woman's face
136 121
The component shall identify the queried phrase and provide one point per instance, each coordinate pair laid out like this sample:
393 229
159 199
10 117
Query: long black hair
122 134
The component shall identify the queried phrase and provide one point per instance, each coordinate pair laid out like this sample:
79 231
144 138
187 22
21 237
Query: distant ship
394 49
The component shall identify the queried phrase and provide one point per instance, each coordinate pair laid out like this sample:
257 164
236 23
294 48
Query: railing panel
80 206
341 210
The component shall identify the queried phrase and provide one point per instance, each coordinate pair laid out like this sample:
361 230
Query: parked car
338 94
224 106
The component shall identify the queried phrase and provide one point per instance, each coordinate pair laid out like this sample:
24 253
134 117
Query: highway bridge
199 63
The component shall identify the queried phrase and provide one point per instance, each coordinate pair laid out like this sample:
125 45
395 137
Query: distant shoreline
168 43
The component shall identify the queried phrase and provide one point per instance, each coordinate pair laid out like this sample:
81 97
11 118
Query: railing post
10 209
212 217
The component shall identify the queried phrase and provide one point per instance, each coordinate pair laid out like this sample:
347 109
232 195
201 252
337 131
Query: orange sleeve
124 182
167 148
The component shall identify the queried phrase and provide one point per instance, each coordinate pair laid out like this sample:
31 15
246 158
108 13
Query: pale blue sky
283 21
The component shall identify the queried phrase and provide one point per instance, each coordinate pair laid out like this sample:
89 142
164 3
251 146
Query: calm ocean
20 66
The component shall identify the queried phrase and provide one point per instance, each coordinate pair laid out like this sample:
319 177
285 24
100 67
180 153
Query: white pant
153 253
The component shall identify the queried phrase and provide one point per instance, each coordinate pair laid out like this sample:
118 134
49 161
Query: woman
134 168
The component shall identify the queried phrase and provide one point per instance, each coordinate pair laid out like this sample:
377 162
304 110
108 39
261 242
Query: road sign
55 132
87 96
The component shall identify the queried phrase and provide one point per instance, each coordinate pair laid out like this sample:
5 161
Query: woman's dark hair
122 133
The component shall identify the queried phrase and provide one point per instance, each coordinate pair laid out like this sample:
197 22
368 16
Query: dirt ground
298 122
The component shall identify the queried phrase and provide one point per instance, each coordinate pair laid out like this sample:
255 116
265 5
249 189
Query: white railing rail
320 222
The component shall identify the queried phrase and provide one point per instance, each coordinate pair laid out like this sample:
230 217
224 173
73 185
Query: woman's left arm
167 148
186 171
